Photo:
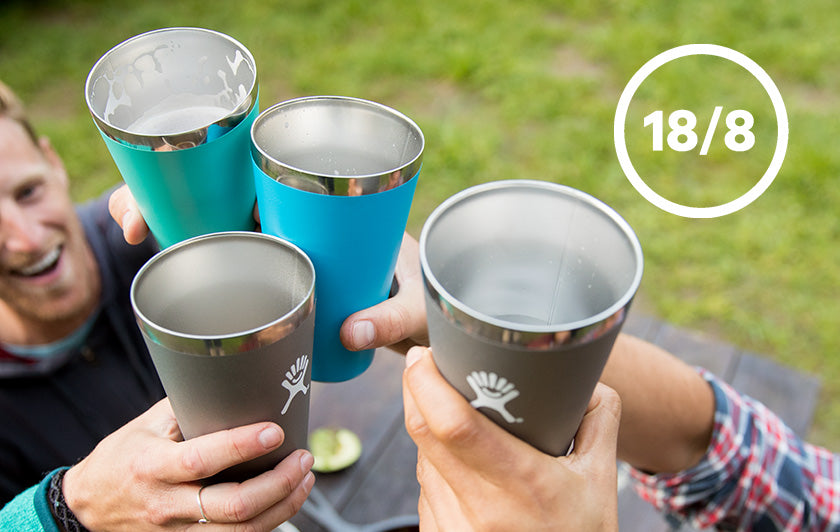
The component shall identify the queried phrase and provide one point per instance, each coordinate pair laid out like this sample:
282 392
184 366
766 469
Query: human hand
476 476
399 322
125 211
144 477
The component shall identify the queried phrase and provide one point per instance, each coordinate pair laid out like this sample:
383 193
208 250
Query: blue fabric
756 475
29 511
41 503
68 343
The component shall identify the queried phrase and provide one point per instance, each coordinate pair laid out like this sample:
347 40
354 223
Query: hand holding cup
145 476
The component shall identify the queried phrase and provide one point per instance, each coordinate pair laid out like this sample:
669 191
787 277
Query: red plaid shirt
757 475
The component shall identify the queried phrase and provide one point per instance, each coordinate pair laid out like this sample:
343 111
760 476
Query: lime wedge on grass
334 449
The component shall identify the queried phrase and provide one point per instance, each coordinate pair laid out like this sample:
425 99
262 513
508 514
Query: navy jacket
54 413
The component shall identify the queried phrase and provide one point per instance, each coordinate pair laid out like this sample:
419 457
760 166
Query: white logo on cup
494 392
294 380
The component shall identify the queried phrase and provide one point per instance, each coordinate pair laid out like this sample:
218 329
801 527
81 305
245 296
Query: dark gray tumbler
229 320
527 286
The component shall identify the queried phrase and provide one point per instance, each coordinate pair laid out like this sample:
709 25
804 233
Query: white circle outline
621 115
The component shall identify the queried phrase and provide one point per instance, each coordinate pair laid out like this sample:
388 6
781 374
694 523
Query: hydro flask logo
294 380
494 392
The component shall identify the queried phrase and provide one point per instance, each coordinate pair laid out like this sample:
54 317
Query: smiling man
73 367
49 279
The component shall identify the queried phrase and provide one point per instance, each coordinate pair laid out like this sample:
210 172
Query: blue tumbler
336 176
175 107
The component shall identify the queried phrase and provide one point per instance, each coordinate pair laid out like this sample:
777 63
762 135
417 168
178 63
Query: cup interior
171 81
337 137
529 255
223 285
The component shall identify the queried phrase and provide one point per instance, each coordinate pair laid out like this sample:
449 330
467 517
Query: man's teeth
48 261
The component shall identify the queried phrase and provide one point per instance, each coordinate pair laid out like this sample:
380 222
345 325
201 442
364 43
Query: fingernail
126 219
306 462
308 481
271 437
363 333
414 354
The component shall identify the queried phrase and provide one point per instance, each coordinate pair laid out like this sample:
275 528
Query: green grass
526 90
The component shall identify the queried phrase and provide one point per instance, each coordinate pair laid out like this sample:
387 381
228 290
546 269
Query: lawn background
528 89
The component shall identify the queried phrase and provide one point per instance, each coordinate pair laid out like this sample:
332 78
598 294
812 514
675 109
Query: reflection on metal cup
343 146
336 176
229 319
172 86
527 286
174 107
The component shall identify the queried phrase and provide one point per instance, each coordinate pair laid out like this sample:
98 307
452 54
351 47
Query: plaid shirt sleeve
757 475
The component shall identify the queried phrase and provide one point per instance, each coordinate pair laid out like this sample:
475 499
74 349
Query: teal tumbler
175 107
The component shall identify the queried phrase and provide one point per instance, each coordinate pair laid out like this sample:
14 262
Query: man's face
47 271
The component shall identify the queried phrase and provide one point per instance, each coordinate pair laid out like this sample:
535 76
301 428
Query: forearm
667 407
756 475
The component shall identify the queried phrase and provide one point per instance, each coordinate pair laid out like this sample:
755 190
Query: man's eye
27 192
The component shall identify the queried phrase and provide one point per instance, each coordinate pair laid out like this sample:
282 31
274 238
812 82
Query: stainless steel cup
175 107
336 176
229 319
527 286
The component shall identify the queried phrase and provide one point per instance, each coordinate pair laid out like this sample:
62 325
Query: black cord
63 515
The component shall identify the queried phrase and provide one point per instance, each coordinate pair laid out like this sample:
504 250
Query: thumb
597 437
125 211
399 321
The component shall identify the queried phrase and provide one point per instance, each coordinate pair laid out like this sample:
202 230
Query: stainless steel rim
176 141
337 185
534 337
252 338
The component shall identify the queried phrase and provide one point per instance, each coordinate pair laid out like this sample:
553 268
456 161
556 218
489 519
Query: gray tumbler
229 320
527 286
